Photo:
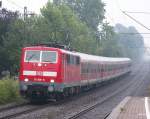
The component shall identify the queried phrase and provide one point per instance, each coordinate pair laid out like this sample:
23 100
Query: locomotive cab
39 71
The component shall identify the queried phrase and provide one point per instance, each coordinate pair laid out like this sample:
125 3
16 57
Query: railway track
19 110
25 109
93 106
7 113
11 112
106 115
12 115
11 106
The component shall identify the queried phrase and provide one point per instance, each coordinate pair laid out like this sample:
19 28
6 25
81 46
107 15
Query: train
53 71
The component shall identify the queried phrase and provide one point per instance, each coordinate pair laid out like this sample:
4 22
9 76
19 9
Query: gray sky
113 12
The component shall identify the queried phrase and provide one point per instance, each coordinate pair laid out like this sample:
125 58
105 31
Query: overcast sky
114 14
113 11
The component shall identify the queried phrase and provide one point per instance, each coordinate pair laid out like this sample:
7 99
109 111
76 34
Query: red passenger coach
51 72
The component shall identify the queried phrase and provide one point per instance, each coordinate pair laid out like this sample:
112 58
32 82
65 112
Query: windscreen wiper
31 57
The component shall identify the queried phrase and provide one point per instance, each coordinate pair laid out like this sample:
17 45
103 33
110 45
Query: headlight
26 80
39 64
52 81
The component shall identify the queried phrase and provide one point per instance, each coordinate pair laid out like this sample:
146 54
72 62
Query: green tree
59 23
109 42
14 41
130 40
89 11
6 18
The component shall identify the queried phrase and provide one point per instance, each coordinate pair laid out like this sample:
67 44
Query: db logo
39 73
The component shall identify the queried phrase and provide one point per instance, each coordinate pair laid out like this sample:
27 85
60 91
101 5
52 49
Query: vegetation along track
133 83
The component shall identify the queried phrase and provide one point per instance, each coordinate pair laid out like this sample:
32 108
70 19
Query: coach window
119 66
111 67
108 67
63 59
87 68
82 68
115 67
77 60
99 70
102 69
105 68
71 59
74 60
95 68
68 59
92 66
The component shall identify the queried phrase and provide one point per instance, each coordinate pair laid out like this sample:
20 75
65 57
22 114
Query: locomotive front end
39 72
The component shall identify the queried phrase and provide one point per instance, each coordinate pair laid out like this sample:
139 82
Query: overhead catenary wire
135 20
125 13
134 33
137 12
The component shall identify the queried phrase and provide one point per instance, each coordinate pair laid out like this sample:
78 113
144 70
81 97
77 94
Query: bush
9 90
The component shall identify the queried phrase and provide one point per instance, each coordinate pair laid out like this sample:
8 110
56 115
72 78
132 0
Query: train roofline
84 56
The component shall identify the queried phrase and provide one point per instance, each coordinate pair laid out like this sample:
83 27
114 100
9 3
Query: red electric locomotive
52 72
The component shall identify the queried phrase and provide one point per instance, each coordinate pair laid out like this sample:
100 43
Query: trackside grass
9 90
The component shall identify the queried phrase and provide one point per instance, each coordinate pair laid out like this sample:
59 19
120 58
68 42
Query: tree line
76 23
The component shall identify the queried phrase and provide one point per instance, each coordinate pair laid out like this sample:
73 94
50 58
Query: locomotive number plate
39 73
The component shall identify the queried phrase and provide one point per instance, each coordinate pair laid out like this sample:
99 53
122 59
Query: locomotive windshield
32 56
49 56
41 56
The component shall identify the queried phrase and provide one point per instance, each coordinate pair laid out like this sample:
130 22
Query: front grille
37 90
37 87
